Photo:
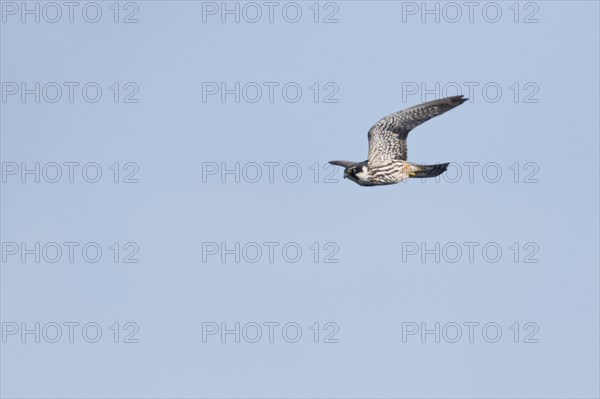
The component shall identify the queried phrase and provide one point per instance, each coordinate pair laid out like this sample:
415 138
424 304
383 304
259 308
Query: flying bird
387 160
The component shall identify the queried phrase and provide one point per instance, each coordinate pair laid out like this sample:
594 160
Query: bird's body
393 172
387 161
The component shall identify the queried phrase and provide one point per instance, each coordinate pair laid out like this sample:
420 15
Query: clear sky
183 199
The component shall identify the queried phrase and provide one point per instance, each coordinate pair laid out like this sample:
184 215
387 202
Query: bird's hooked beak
345 164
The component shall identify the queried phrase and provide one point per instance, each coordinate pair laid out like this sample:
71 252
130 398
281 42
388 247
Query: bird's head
355 171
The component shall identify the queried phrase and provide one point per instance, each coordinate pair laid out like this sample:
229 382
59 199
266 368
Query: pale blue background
370 292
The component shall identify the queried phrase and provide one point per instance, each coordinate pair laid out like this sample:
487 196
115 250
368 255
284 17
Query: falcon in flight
387 162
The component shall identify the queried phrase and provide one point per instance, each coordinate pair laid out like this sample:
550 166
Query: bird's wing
387 138
345 164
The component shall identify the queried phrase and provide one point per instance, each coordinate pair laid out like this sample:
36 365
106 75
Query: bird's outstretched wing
387 138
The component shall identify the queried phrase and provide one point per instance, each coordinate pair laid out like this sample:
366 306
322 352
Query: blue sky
192 180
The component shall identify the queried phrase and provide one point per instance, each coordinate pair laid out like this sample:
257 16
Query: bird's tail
422 171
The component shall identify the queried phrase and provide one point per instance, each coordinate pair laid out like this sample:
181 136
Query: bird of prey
387 161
